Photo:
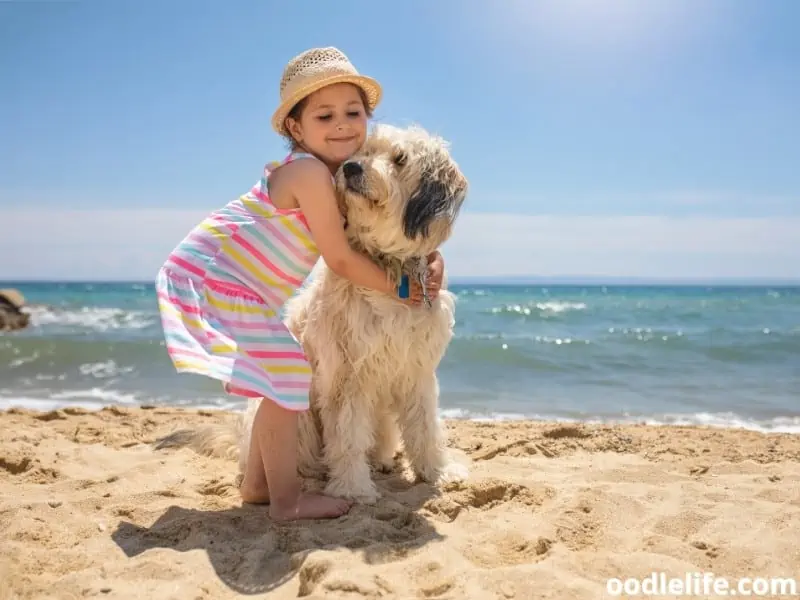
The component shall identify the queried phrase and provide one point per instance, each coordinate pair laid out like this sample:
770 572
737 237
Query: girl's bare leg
254 488
271 473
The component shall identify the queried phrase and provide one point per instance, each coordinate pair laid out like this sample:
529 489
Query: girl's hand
435 275
415 295
433 282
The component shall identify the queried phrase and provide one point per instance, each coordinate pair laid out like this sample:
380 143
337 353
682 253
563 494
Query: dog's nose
352 169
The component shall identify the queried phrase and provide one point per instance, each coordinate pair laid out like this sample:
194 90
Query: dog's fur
374 359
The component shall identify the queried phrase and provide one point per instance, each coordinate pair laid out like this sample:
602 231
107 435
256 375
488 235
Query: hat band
305 81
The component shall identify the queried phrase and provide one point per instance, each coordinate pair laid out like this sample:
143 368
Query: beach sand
88 508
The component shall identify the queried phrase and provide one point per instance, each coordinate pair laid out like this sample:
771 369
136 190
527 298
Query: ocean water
727 356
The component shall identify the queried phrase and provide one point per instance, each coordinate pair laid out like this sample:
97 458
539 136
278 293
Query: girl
221 290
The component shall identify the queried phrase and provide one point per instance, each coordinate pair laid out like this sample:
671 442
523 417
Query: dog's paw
383 468
363 493
452 471
384 464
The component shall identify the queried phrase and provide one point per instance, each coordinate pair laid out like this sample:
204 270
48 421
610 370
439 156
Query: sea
726 356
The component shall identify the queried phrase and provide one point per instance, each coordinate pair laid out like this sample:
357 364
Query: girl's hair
297 112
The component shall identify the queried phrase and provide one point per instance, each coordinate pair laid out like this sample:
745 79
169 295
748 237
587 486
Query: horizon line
598 280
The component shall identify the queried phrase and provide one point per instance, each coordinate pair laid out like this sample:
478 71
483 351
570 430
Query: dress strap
292 156
271 166
295 155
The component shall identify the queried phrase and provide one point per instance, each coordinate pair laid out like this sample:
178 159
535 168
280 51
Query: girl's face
332 123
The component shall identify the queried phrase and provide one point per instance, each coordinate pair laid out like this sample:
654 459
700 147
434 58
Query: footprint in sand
682 525
16 463
215 487
581 523
311 574
596 512
22 462
710 550
432 581
567 431
484 495
555 442
508 548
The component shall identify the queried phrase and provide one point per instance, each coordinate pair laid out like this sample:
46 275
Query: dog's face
401 193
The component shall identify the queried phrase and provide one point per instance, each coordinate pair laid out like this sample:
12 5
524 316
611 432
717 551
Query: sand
89 509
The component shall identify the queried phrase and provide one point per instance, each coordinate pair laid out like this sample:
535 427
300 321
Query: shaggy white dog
374 359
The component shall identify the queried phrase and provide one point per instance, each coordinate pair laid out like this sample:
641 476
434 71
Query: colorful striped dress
221 290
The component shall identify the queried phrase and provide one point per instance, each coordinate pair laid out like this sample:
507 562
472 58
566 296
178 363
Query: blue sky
600 137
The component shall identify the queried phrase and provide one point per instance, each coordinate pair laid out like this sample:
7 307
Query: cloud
131 245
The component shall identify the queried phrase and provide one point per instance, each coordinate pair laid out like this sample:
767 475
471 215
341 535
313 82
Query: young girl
221 290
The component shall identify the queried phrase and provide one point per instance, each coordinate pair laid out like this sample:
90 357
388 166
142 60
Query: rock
12 316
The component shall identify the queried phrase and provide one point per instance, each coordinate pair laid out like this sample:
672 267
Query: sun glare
606 26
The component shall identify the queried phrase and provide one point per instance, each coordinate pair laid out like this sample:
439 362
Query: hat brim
371 88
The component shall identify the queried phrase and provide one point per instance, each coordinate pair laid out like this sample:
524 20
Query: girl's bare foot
254 493
271 470
310 506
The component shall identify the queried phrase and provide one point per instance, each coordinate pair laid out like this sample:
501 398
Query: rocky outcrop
12 316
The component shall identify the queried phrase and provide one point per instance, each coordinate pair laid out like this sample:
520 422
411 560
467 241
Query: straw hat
314 69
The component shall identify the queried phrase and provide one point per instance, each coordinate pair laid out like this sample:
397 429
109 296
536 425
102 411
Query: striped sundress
221 290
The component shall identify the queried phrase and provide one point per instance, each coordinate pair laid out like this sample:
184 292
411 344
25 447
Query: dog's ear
435 197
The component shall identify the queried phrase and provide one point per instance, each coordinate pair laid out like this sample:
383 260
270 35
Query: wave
97 394
55 358
720 420
97 398
89 318
104 370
